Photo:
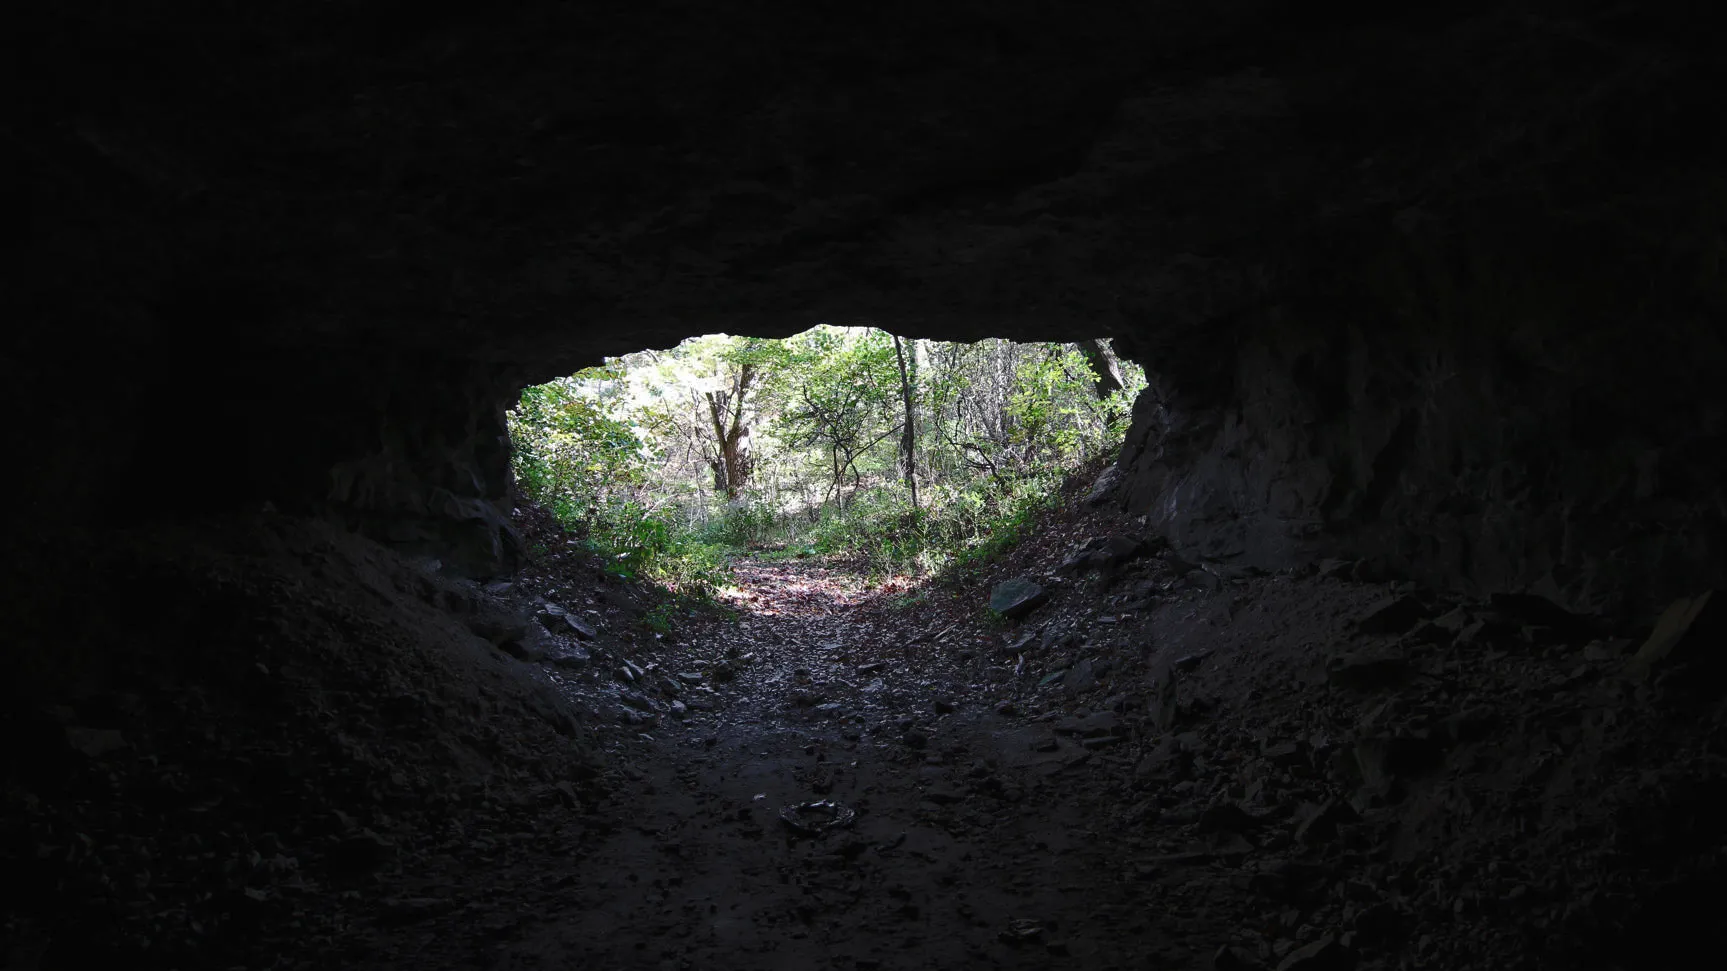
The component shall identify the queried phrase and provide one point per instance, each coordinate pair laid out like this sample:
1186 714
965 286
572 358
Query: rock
816 818
1225 817
1334 569
1190 661
95 742
691 677
1383 761
1101 741
1081 677
1325 954
499 627
636 700
1235 959
557 619
870 668
1121 548
1686 630
1162 762
680 710
409 910
531 643
1074 564
944 795
1393 617
944 706
1370 569
1209 582
1369 671
1164 707
573 657
1318 823
1105 484
1533 610
914 738
1452 621
1089 726
1018 597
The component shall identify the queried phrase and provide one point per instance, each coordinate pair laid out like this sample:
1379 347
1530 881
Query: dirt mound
1330 758
269 717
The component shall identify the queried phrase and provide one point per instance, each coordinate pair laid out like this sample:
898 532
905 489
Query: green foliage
745 524
571 450
631 455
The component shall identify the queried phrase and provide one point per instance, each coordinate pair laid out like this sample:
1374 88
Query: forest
906 456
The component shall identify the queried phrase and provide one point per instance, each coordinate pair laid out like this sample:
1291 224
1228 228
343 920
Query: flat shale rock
1015 598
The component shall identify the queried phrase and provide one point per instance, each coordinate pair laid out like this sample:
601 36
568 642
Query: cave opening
1387 641
901 455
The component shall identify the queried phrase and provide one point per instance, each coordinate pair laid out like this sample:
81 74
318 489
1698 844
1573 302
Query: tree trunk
908 437
1103 364
731 436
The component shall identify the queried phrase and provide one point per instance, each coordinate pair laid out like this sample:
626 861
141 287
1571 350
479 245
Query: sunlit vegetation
909 456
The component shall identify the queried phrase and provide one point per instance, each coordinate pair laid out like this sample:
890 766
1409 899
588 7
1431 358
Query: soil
1159 767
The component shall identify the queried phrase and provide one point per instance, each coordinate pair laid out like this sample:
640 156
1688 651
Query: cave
1429 298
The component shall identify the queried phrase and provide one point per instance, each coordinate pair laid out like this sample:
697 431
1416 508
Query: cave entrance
900 457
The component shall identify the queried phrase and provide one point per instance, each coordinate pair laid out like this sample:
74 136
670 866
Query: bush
741 524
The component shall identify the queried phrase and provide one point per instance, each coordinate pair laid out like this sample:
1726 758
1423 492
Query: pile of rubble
1371 775
278 722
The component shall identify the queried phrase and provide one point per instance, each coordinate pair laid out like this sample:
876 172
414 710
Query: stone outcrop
1433 284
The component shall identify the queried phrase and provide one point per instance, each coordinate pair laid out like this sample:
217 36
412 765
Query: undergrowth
903 458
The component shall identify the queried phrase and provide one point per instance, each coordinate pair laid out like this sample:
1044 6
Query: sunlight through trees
913 455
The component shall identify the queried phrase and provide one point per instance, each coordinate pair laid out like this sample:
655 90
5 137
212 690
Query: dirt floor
1158 767
1155 766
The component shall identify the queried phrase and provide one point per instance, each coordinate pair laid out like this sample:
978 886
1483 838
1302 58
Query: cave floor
1025 794
976 840
1159 768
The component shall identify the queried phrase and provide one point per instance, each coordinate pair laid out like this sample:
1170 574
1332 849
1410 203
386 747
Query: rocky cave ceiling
1436 283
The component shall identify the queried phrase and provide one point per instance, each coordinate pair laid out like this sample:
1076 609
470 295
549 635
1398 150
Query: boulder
1105 485
574 657
1687 629
1394 617
530 643
1018 597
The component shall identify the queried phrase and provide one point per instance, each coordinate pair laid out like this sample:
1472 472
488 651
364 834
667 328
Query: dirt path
1159 768
969 846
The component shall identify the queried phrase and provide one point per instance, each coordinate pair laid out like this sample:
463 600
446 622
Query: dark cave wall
1435 287
409 447
1533 409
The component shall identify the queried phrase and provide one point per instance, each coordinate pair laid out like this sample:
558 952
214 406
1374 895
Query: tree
1103 365
573 450
837 428
908 433
729 454
838 395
